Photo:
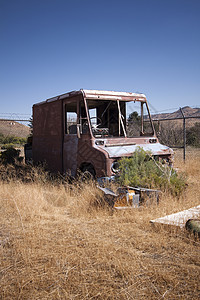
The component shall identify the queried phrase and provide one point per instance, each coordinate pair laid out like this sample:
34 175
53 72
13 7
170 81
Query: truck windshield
119 118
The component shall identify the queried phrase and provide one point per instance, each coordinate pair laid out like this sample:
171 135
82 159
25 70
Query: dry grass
54 244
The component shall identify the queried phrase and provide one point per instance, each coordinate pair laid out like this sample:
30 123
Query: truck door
70 137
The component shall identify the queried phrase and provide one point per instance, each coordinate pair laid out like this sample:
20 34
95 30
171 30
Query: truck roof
111 95
101 95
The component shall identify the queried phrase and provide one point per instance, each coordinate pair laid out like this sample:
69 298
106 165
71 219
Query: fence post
184 134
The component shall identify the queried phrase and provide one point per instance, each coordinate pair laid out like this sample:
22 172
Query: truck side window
70 118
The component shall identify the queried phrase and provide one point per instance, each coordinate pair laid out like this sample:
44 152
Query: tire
87 172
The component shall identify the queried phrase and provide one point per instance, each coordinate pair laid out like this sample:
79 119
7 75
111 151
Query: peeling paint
124 150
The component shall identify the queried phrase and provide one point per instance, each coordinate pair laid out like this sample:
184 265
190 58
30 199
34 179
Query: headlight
152 141
115 167
99 142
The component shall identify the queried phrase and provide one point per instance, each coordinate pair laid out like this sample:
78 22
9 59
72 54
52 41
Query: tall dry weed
55 243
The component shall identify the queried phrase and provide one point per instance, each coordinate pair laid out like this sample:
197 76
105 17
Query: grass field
55 244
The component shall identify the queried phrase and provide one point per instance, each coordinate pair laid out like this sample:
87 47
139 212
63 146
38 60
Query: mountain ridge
187 111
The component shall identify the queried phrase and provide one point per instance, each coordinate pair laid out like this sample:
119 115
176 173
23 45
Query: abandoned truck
87 130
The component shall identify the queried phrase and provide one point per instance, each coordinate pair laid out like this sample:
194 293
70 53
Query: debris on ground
130 197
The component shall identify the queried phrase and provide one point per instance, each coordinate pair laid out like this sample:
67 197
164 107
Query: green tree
134 117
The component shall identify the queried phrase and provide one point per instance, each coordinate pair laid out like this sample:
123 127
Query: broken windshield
119 118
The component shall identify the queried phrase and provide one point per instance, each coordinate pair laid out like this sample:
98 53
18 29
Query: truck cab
90 130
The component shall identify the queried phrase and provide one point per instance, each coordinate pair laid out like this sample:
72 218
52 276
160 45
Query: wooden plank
180 218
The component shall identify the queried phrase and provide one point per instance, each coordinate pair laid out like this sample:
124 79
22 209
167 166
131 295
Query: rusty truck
90 130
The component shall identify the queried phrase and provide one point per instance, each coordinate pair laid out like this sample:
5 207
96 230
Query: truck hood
127 150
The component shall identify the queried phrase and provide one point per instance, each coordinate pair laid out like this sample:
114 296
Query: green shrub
12 140
141 170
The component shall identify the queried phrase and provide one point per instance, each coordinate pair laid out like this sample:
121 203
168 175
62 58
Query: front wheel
87 172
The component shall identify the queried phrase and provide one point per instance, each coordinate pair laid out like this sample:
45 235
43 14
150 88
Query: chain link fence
178 132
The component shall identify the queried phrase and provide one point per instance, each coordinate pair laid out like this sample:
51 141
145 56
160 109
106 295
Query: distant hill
188 112
8 128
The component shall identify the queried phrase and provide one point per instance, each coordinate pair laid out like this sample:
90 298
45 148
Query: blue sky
49 47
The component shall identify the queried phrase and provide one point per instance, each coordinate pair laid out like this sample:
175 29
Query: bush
11 140
141 170
11 156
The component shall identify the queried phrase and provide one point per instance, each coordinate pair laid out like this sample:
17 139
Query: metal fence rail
15 120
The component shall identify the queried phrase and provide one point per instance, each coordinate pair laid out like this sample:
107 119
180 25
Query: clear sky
49 47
